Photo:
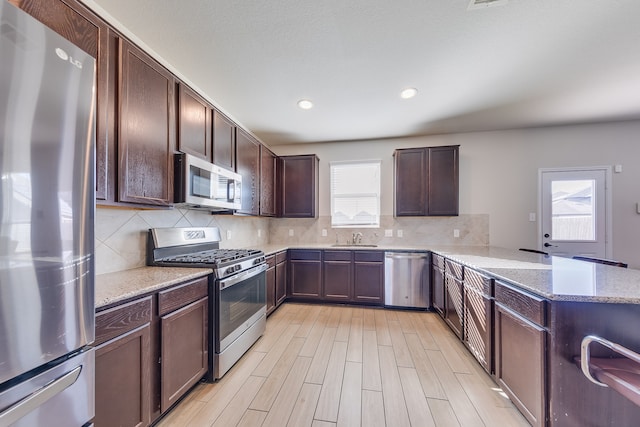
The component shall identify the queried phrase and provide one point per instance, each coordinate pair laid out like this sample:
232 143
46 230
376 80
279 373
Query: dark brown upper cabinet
224 141
248 165
194 124
147 135
298 183
426 181
267 182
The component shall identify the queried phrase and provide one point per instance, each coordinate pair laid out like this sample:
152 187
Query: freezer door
61 396
46 195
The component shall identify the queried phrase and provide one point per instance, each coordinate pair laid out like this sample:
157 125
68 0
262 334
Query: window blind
355 194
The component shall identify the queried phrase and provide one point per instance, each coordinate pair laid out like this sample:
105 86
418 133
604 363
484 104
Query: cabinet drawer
271 261
478 282
305 255
337 255
368 256
438 261
177 297
529 306
454 269
122 319
281 257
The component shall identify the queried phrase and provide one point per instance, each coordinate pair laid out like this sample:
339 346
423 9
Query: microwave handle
231 190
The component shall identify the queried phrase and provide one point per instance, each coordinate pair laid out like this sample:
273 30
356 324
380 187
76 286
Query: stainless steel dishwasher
407 279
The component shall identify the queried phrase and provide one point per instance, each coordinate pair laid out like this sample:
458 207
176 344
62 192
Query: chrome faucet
356 238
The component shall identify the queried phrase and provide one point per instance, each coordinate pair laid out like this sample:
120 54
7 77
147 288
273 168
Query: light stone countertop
123 285
552 277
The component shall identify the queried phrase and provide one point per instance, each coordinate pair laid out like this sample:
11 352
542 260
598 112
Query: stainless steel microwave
200 184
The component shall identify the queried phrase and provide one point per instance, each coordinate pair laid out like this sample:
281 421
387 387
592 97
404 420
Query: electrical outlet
399 233
291 232
456 233
324 232
259 232
388 233
228 234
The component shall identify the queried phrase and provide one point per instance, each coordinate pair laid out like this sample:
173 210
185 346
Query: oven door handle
242 276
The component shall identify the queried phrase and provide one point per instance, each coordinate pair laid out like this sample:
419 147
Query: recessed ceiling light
305 104
409 92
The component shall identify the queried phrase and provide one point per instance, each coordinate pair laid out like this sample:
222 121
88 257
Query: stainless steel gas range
237 308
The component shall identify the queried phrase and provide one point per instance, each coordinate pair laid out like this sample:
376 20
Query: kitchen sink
353 245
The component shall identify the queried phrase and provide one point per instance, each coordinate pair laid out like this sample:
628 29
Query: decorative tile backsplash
121 234
472 230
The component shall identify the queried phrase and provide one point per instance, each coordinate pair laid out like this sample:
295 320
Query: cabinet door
299 186
520 363
224 141
123 372
281 282
437 279
184 350
454 304
305 274
271 283
443 181
147 129
267 182
478 326
194 124
368 282
337 278
411 185
248 165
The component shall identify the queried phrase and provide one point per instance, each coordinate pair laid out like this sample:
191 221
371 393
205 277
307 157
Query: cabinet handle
585 355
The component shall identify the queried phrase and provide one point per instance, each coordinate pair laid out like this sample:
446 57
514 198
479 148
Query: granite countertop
552 277
123 285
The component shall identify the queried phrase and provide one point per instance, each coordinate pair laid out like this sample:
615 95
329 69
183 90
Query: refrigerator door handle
37 398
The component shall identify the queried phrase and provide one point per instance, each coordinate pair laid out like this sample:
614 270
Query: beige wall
499 173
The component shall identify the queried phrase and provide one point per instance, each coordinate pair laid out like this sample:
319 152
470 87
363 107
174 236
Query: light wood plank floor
322 365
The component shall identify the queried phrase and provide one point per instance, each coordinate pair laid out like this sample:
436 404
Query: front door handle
549 245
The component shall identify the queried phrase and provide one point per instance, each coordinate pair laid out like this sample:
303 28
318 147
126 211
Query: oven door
241 301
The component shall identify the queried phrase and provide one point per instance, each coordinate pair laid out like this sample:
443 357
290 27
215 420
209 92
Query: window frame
377 195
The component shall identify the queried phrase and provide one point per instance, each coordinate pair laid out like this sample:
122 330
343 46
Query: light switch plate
456 233
228 234
399 233
324 232
259 232
532 217
291 232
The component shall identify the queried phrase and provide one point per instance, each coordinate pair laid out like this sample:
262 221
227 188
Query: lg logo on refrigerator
65 57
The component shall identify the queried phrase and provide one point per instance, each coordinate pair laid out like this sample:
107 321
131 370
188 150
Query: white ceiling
526 63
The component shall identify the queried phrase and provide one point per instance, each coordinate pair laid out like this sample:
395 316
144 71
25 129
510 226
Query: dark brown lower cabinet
454 304
271 283
478 317
122 380
520 351
281 277
305 274
368 277
123 365
143 369
437 284
184 350
337 276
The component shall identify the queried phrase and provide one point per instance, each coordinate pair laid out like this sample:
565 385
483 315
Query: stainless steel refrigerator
46 229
